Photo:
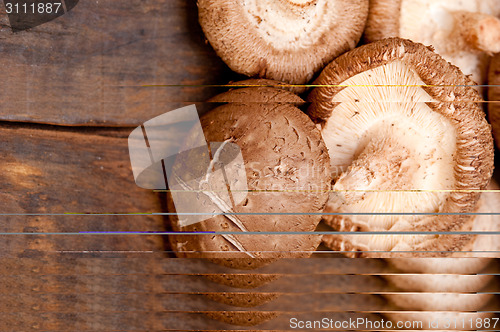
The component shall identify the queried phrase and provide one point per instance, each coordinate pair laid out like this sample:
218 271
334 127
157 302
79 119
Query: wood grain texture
71 282
88 67
71 292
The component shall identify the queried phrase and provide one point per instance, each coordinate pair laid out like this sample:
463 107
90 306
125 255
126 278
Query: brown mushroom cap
287 169
285 40
243 300
396 116
262 82
494 97
463 32
245 281
243 318
259 91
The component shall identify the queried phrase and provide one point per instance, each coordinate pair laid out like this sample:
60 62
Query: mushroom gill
409 147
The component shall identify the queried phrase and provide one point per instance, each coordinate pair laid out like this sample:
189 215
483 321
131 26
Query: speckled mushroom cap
286 40
262 82
287 170
243 318
259 91
463 32
494 97
405 134
243 299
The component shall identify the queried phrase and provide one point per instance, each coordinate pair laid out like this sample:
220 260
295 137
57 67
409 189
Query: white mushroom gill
435 23
390 152
291 24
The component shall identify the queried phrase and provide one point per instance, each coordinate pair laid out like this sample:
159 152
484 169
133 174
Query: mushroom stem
382 165
479 31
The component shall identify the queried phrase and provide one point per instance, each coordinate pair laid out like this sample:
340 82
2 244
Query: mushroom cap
397 118
243 299
452 283
259 91
463 32
285 40
287 171
262 82
444 265
243 318
494 97
245 281
439 301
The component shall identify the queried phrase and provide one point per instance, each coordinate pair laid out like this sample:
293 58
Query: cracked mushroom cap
463 32
406 136
285 40
287 171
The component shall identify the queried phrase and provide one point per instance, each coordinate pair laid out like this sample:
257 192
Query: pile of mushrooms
393 142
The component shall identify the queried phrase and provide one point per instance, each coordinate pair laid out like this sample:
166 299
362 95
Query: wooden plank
88 67
49 170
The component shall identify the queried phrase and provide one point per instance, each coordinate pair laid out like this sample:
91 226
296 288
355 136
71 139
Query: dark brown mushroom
288 178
